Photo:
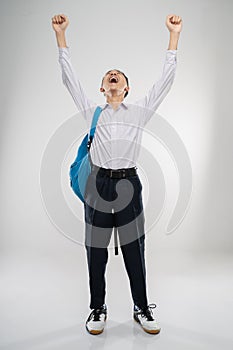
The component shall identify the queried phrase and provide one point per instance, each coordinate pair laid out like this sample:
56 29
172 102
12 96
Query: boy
113 192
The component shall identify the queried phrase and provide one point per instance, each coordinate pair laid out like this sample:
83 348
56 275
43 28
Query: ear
102 89
127 88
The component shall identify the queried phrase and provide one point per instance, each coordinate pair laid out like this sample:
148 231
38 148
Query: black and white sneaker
97 320
145 318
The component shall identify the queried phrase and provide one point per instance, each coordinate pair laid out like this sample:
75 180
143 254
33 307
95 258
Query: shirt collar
123 104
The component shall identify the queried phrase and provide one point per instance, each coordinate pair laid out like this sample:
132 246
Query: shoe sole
94 332
150 331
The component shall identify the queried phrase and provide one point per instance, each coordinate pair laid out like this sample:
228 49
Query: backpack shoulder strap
94 122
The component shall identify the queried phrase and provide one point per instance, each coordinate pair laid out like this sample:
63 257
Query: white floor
44 307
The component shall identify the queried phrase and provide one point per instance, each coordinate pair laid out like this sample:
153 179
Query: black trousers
109 203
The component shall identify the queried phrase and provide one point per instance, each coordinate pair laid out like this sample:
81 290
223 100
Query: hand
174 23
60 23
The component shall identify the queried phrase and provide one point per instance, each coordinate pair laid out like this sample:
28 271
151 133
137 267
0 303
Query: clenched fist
60 23
174 23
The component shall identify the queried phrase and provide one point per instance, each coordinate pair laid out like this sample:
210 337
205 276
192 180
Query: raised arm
162 86
69 76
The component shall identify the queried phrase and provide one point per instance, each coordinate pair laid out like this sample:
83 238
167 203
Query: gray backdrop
44 292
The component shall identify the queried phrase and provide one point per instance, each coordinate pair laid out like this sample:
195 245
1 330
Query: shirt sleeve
161 88
71 81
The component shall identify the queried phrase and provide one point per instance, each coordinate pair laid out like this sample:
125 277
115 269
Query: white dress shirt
118 134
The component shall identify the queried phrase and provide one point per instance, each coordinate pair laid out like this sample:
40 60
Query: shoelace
96 313
147 312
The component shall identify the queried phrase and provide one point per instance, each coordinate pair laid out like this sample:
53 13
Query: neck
115 101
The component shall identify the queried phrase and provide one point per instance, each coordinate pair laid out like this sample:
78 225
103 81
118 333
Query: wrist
61 39
173 41
60 33
174 34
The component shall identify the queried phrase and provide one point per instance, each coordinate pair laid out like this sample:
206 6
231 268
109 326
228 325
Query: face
114 81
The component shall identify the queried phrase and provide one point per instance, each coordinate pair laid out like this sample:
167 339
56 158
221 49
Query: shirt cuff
64 51
171 56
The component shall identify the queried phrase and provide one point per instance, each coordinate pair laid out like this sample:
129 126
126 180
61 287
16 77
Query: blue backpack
80 169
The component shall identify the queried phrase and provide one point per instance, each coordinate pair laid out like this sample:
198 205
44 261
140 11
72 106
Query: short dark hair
126 78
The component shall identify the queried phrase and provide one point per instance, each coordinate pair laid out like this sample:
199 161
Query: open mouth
113 80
